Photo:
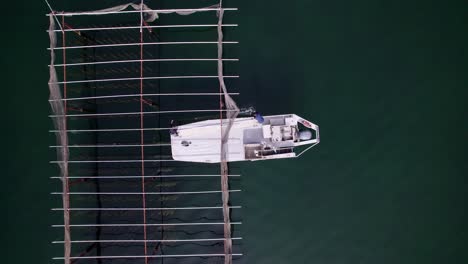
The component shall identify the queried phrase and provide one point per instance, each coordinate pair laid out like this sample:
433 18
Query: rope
225 129
59 108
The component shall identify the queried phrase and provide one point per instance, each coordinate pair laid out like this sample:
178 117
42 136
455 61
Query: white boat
250 138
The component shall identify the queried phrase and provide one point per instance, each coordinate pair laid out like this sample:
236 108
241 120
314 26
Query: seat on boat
253 136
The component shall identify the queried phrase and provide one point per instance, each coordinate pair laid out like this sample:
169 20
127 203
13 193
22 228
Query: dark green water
386 82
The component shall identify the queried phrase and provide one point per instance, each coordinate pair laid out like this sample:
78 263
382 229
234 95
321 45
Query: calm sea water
385 81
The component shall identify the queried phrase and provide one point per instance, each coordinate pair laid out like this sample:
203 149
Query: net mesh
228 112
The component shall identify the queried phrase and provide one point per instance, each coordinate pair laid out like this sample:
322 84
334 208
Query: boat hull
273 137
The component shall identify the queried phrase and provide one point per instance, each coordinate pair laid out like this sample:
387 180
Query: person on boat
173 130
259 117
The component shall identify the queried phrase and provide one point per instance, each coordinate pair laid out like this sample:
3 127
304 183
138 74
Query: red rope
150 30
66 198
67 26
85 252
142 143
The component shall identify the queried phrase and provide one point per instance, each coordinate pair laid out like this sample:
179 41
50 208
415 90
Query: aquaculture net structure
119 77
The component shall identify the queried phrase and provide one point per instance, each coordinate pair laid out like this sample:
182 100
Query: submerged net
58 100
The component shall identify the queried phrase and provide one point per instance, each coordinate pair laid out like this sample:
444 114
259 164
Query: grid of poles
123 197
